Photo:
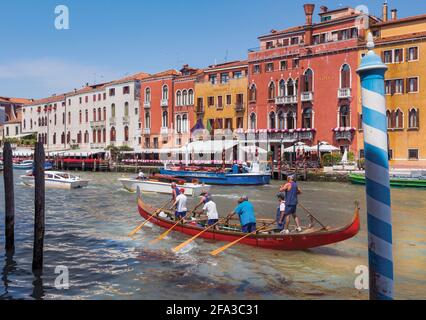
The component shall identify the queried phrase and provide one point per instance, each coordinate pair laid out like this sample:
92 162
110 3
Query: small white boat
56 179
24 165
162 184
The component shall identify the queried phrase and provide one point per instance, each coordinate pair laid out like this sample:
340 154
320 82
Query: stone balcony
164 103
146 131
164 131
199 110
126 120
286 100
112 121
343 135
307 96
239 107
147 105
98 124
344 93
97 145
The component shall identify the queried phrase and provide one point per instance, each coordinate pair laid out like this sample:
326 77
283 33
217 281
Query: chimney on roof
87 84
309 11
394 14
75 90
385 11
324 9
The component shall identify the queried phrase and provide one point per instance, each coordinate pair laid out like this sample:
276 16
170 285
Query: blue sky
109 39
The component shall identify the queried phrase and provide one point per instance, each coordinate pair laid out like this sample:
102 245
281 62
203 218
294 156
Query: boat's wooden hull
300 241
394 182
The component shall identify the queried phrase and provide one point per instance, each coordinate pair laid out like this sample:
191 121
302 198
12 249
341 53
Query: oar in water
131 234
312 216
183 245
221 249
165 234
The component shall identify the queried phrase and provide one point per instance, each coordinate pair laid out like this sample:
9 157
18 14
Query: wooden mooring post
39 219
9 194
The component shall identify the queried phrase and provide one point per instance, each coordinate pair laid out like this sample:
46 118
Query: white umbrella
324 147
298 147
345 157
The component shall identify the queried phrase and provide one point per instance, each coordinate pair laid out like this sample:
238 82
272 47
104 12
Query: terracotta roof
166 73
402 20
15 100
48 100
288 30
137 76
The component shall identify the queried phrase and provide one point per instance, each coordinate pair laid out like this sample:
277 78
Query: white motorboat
56 179
162 184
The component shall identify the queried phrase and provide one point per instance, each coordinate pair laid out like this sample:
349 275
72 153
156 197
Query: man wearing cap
180 204
205 198
291 191
245 211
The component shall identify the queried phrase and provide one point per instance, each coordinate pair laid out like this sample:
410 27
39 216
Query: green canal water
86 232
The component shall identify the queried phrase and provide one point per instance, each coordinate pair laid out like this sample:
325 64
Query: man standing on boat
205 197
180 204
210 209
291 191
175 191
245 211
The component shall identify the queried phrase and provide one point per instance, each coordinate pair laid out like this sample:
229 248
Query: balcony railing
344 93
126 120
239 107
308 135
219 107
146 131
147 105
307 96
112 121
165 102
97 124
343 135
164 131
286 100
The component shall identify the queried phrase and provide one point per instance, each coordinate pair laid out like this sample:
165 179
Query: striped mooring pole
372 72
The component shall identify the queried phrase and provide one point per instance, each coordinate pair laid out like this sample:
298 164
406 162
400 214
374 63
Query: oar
131 234
183 245
312 216
221 249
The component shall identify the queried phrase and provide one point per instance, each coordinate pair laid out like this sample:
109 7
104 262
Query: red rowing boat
310 238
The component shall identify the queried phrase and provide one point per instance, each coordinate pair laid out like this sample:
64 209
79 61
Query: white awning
75 153
252 149
213 146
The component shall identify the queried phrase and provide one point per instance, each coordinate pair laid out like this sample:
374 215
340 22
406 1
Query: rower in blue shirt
245 211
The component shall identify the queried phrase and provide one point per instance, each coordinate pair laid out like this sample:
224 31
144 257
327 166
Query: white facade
85 119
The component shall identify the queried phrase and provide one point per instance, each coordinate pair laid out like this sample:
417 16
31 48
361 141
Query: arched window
87 116
282 88
344 113
80 117
271 91
389 119
99 135
253 121
413 119
165 92
126 133
69 117
104 135
399 119
94 136
94 114
179 98
69 137
253 92
165 119
272 120
112 135
308 79
147 95
55 119
99 114
307 118
147 120
63 138
126 109
290 88
185 123
113 110
185 97
104 111
345 77
179 123
290 120
54 138
191 97
281 120
86 137
79 137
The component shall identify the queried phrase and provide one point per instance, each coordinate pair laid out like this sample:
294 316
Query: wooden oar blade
221 249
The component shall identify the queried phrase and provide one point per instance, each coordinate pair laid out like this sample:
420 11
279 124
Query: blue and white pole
372 72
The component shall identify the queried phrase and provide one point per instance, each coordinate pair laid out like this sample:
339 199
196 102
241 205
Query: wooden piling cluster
39 202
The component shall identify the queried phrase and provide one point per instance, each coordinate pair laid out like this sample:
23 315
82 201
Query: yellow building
402 44
221 96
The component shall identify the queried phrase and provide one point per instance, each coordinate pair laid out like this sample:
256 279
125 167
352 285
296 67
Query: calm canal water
86 232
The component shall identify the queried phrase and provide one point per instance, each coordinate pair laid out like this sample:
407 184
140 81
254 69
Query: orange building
401 43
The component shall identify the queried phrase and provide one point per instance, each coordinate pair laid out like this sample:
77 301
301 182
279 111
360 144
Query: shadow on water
9 267
38 288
